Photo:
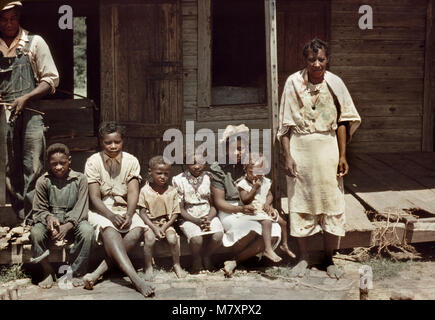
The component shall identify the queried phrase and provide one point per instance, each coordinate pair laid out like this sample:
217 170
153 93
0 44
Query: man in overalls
27 73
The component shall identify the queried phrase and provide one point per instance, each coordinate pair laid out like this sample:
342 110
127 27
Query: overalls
25 137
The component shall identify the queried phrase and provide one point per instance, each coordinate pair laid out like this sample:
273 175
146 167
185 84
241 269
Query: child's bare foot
47 283
208 264
146 289
149 274
334 272
300 269
89 280
229 267
197 265
272 255
286 250
78 282
179 271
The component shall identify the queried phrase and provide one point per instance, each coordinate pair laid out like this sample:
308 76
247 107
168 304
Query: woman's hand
248 209
267 208
290 167
117 220
127 221
343 167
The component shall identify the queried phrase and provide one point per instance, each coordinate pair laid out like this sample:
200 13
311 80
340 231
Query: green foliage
12 272
80 59
384 268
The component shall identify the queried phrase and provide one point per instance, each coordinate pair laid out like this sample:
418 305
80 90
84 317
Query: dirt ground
402 280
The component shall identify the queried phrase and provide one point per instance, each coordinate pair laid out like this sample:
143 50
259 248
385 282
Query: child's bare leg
284 238
195 247
150 240
267 238
174 244
214 243
48 272
116 251
300 268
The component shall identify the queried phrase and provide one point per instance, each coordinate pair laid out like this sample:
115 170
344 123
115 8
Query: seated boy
159 210
60 210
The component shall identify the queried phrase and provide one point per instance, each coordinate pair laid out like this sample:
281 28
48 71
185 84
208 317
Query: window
238 52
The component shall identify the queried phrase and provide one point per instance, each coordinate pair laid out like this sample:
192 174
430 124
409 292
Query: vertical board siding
383 69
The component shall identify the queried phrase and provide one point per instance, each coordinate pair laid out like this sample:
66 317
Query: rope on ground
386 241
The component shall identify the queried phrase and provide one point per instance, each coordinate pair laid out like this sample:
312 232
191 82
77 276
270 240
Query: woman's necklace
314 91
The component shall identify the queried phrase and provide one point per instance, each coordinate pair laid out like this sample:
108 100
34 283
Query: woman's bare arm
221 204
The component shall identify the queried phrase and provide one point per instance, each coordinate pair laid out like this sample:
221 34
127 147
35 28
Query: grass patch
384 268
12 272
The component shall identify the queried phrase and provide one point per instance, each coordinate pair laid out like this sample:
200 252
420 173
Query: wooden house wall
383 69
197 106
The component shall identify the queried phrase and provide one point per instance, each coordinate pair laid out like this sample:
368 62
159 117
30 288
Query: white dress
195 192
237 225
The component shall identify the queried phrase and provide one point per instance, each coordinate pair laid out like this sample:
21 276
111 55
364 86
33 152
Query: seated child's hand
205 224
158 232
267 208
248 209
257 183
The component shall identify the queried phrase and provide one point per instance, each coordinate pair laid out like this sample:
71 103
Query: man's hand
127 221
160 234
63 230
117 220
52 224
248 209
18 105
343 167
290 167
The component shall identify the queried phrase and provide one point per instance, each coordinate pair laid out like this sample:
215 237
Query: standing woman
317 119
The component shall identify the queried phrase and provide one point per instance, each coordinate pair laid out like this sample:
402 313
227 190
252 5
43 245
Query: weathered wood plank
428 110
409 134
377 46
379 33
403 189
189 8
398 109
377 59
388 19
350 73
76 143
204 53
390 122
240 112
384 146
3 153
409 168
424 159
272 89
